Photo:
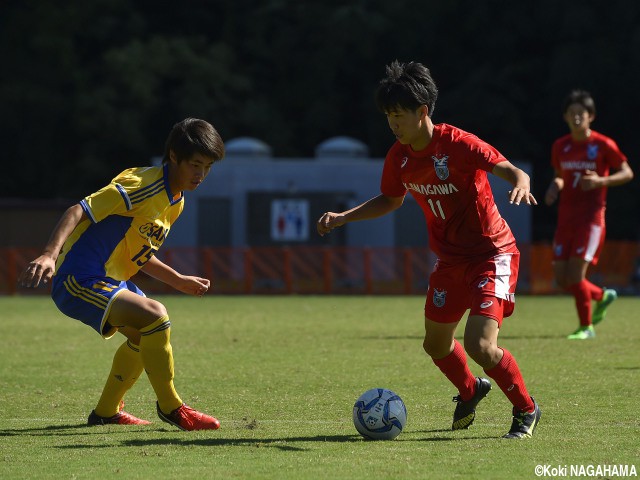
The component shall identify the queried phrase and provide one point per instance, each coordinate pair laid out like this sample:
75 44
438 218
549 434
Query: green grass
282 373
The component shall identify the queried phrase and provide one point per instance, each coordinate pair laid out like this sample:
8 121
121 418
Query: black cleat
465 412
524 423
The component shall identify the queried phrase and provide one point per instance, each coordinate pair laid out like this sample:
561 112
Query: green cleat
600 311
583 333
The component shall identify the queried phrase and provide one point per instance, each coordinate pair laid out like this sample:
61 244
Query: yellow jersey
128 220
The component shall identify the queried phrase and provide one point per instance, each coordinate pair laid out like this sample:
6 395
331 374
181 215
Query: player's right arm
42 268
373 208
620 176
556 185
188 284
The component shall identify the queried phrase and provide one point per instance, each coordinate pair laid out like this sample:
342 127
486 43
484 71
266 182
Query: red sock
595 291
582 295
455 368
508 377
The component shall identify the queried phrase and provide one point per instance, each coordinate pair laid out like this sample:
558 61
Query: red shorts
583 241
487 287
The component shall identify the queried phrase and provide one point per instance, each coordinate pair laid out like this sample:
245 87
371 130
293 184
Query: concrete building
253 198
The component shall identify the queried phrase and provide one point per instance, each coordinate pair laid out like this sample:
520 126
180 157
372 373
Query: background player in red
101 242
583 160
445 170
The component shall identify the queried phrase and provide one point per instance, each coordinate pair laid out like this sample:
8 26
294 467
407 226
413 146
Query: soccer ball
379 414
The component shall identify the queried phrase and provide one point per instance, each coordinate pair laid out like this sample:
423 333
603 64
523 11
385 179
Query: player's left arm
521 191
591 180
183 283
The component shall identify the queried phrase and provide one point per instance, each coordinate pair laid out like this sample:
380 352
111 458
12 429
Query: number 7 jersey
448 179
571 159
128 220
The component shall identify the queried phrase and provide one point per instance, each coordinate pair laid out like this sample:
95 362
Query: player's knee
154 310
482 351
434 348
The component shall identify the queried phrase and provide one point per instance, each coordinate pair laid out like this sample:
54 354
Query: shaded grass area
282 373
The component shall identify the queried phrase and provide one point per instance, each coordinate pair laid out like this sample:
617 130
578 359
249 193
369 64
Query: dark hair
191 136
581 97
406 86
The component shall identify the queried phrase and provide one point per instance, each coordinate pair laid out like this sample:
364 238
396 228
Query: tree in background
87 88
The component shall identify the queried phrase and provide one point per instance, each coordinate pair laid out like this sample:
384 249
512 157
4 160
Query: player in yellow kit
102 241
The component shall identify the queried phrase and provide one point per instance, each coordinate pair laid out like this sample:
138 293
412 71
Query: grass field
282 373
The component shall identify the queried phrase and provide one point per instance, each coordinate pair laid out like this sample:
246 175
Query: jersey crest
440 165
439 297
592 151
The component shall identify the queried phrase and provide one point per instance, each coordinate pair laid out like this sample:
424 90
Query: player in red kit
445 170
583 160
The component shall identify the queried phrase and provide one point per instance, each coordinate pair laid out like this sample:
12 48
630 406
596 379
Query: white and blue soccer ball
379 414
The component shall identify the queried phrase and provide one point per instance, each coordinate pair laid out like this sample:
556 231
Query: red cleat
120 418
186 418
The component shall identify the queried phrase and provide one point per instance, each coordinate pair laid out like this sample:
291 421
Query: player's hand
328 221
196 286
39 270
551 195
590 180
522 194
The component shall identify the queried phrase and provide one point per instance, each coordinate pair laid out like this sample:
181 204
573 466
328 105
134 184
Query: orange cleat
120 418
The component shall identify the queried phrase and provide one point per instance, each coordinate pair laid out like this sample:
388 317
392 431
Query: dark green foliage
88 88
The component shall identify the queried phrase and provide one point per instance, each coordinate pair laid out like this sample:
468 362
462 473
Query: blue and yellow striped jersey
129 220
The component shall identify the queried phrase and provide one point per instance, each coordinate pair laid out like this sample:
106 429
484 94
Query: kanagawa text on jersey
429 189
578 165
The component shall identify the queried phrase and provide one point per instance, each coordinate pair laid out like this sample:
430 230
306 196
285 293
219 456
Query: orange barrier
618 267
336 270
541 277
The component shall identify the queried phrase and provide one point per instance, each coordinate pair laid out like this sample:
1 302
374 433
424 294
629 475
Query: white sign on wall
290 220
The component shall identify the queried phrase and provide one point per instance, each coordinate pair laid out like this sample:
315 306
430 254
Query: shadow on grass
283 443
279 443
53 430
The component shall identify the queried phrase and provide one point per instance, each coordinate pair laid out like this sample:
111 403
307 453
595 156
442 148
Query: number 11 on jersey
433 205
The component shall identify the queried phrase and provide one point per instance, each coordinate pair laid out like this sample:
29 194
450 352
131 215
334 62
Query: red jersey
571 158
449 181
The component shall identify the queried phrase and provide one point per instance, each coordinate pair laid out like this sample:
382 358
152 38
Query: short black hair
581 97
191 136
407 86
